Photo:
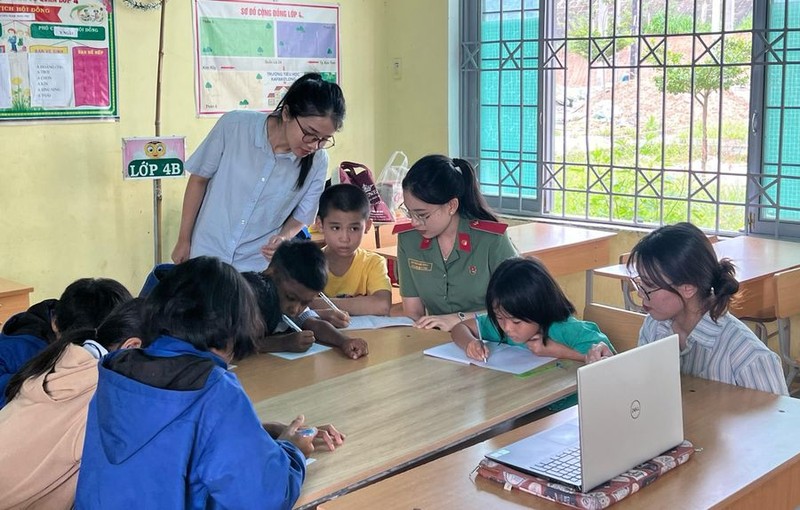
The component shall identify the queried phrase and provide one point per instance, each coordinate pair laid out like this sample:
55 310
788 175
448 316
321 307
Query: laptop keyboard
566 465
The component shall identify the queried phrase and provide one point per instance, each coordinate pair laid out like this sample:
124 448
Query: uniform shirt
251 191
574 333
725 351
366 275
458 285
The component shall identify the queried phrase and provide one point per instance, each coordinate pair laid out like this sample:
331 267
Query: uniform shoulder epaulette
404 226
493 227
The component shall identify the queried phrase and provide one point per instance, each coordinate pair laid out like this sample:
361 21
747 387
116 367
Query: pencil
289 322
480 337
328 301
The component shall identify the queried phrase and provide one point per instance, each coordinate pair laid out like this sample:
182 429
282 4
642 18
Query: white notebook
502 357
377 321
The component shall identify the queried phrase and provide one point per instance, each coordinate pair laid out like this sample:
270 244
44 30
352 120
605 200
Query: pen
307 431
480 337
289 322
328 301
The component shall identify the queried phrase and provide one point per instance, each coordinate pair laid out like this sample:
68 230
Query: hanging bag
390 182
361 176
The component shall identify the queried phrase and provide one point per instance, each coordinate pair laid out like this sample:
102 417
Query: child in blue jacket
169 426
84 304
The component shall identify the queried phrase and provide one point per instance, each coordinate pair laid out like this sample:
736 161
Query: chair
620 326
787 304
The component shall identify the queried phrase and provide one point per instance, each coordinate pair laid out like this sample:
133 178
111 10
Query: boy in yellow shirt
358 281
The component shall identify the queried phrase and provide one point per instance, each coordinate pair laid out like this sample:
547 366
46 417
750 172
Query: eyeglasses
322 143
422 219
639 287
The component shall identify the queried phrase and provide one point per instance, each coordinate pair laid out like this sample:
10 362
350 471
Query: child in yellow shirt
358 280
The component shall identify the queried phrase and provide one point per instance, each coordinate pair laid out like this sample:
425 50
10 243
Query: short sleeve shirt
725 351
251 190
458 285
573 333
366 275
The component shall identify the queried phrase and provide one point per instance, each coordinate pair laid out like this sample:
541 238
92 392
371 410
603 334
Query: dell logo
636 408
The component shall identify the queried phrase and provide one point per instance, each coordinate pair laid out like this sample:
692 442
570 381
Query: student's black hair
207 303
124 322
680 254
526 290
437 179
86 302
267 298
345 198
302 261
312 96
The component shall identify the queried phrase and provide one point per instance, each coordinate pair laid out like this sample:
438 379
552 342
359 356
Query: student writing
686 290
526 307
42 427
295 277
83 304
358 281
169 426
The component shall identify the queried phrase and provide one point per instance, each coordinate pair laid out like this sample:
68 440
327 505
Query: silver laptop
629 411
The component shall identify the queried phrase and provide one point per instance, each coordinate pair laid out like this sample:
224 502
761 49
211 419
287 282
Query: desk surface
561 248
401 411
10 288
749 458
264 375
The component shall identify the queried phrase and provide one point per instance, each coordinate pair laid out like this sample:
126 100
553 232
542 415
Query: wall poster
249 52
57 59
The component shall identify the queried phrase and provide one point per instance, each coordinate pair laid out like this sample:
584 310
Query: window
639 113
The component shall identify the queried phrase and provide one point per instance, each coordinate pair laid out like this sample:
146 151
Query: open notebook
502 357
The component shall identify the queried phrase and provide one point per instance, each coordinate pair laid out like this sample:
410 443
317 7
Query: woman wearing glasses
453 243
686 290
256 178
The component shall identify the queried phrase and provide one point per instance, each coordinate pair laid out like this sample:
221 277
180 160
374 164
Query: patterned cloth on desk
602 496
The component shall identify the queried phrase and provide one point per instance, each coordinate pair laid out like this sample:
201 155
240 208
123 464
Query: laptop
629 411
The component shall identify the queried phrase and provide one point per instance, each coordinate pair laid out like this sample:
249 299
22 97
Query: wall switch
397 68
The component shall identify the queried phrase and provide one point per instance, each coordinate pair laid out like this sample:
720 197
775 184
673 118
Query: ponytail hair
437 179
124 322
681 254
312 96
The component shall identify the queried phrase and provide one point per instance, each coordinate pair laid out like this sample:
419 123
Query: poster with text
249 52
57 59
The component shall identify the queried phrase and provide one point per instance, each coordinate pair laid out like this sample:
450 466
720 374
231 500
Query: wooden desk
264 376
756 260
750 458
564 250
14 298
400 412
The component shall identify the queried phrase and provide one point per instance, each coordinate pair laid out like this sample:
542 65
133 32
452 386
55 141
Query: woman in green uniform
453 243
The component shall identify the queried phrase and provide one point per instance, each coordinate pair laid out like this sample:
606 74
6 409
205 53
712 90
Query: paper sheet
314 349
502 357
377 321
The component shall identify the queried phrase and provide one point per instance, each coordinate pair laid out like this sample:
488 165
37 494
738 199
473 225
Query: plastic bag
348 173
390 182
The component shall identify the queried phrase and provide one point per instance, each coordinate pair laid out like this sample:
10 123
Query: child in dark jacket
169 426
84 304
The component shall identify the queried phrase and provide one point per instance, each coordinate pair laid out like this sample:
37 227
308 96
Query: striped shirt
725 351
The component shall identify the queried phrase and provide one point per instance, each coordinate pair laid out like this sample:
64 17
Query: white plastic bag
390 182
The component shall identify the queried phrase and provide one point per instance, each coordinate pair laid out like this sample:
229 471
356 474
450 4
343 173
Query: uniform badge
473 270
420 265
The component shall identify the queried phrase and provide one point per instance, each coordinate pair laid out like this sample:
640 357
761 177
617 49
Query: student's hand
443 322
181 251
536 345
268 250
477 350
328 435
299 435
337 318
300 341
355 348
598 352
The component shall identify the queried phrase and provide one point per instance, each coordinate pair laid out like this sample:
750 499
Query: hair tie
454 166
712 290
